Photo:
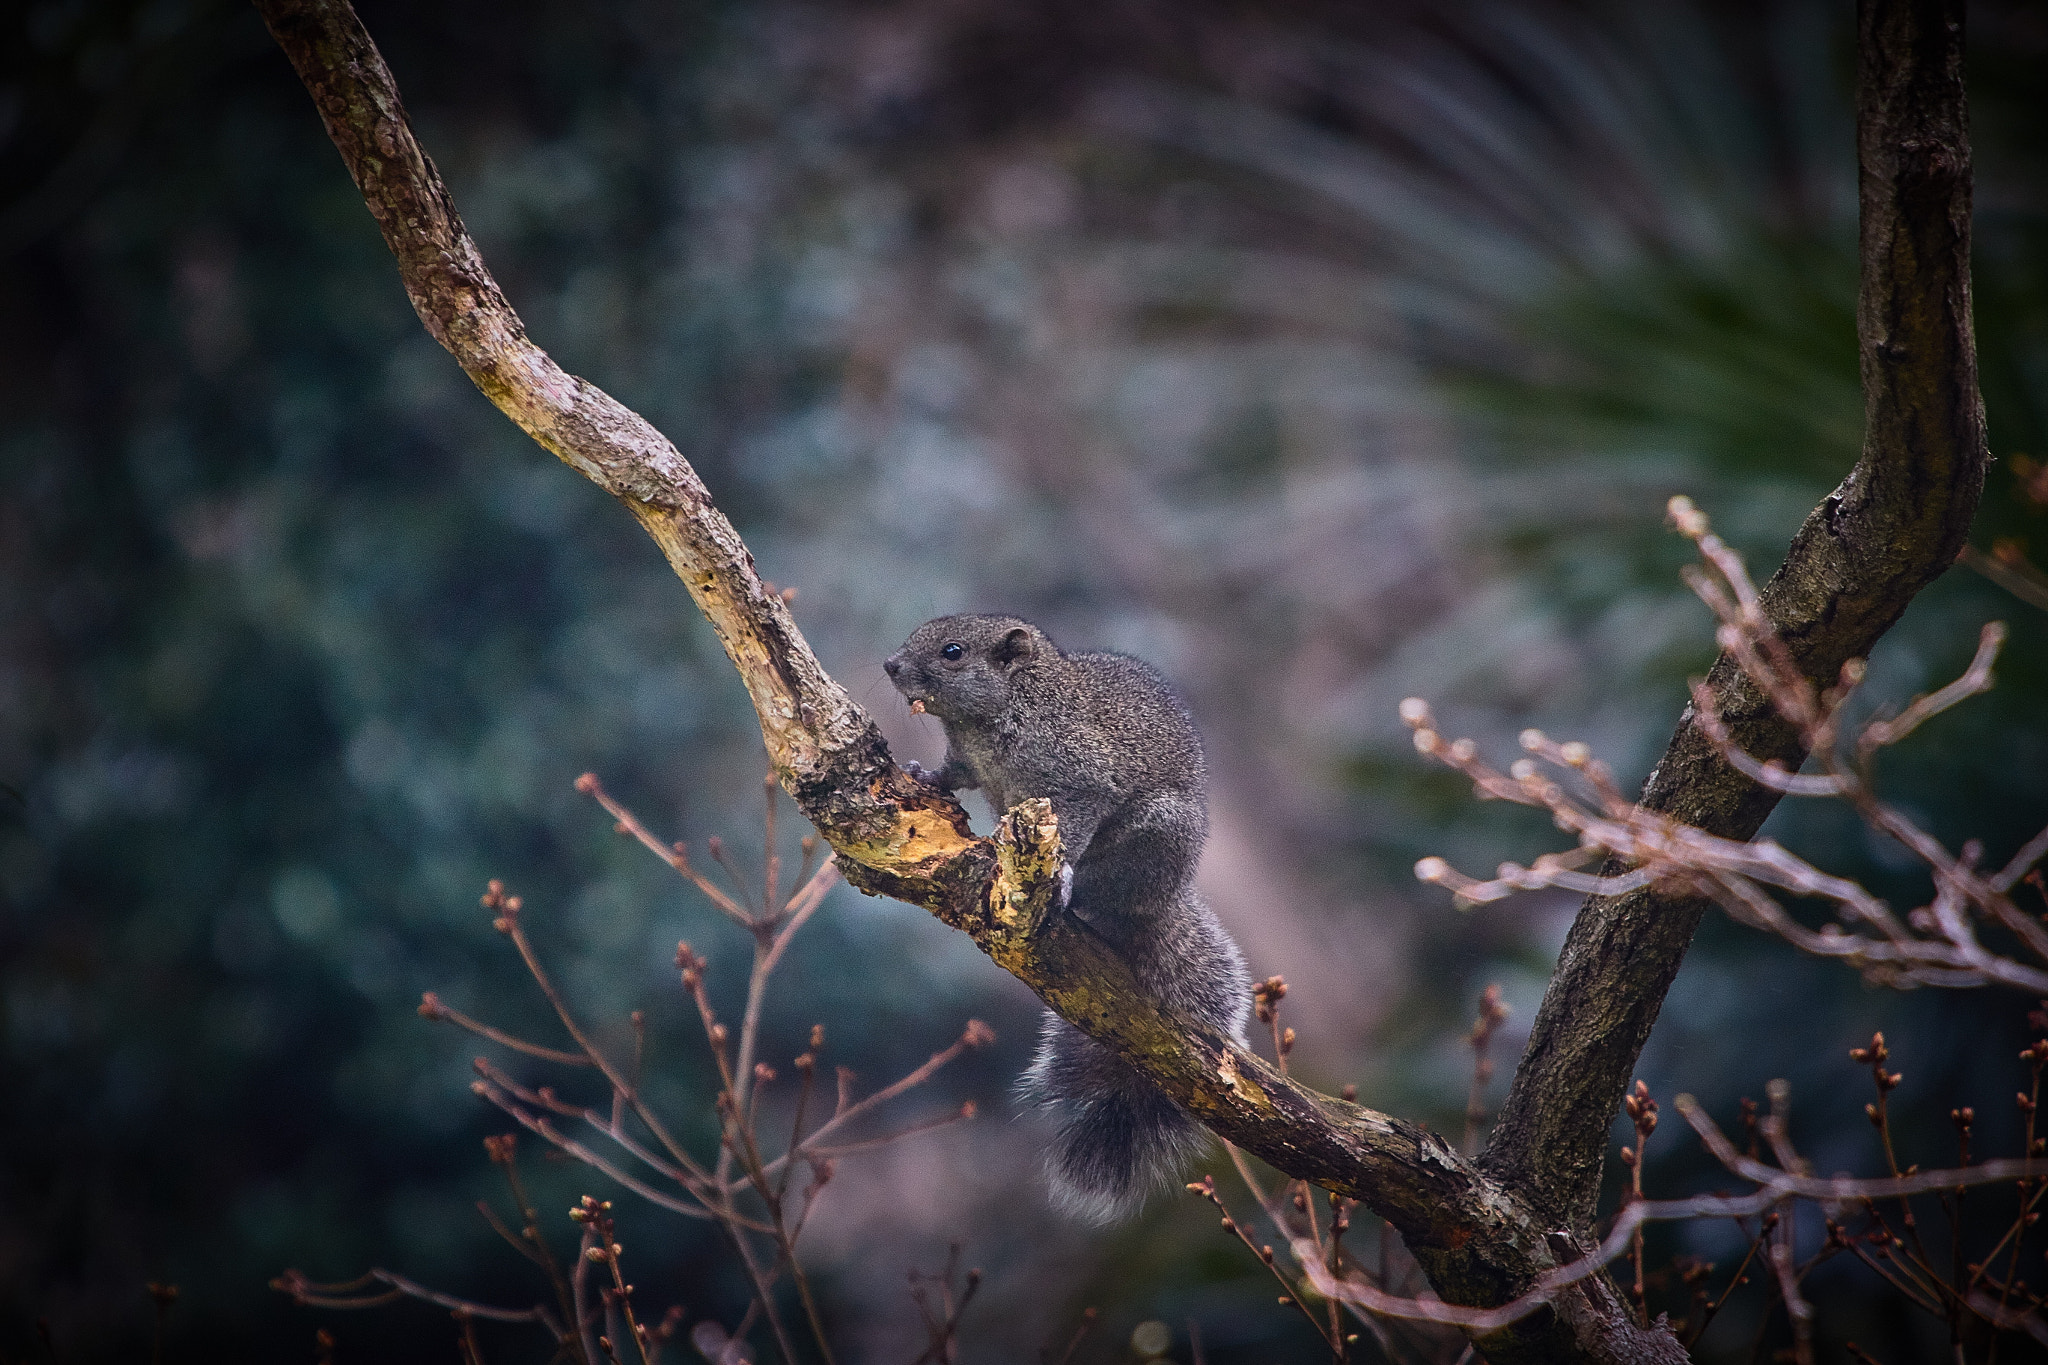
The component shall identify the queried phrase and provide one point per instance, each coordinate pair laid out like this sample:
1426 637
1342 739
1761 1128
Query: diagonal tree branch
894 836
1888 531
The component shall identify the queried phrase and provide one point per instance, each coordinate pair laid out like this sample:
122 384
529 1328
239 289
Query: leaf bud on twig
1690 521
1266 998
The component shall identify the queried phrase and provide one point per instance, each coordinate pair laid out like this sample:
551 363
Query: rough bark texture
1892 526
1483 1233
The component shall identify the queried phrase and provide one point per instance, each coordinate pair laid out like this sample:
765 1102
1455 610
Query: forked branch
1893 525
1484 1237
892 835
1937 944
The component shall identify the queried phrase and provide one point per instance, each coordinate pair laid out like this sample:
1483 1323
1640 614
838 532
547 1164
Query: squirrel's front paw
1066 884
922 775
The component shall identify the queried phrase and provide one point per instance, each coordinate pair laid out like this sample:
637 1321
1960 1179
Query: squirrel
1106 740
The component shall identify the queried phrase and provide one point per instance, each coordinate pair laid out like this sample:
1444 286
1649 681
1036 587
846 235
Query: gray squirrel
1104 738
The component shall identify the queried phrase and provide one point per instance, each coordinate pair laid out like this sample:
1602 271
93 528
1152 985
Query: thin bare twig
347 1294
432 1007
1934 945
1493 1012
1776 1185
675 855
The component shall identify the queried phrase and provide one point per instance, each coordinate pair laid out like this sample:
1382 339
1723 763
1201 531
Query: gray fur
1106 740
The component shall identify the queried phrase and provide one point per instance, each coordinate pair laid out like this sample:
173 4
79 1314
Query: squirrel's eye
951 652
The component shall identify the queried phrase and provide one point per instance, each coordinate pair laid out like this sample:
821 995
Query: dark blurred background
1321 353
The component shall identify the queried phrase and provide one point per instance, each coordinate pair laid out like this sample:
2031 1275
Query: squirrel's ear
1015 648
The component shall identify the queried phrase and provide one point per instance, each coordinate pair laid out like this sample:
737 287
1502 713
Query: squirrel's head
964 668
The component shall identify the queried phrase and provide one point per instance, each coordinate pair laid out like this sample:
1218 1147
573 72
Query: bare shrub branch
742 1190
1936 944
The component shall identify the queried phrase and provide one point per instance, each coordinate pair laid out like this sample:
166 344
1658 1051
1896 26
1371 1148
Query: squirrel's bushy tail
1119 1138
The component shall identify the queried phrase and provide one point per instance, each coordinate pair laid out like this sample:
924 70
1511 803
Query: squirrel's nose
892 665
